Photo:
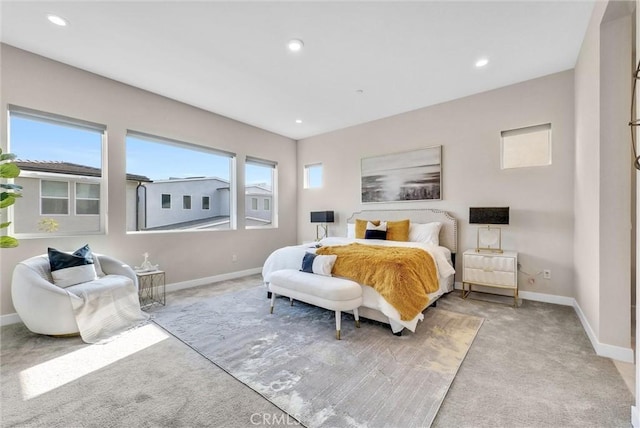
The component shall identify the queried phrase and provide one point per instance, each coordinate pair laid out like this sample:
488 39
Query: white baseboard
10 319
635 423
15 319
602 349
211 279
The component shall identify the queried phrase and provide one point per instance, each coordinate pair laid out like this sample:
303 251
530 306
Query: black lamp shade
321 216
489 215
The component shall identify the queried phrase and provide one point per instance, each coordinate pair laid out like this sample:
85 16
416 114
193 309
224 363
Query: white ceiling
231 57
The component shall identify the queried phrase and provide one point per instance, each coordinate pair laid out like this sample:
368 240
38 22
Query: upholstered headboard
448 232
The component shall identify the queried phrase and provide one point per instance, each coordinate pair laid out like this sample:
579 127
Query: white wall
603 185
35 82
540 198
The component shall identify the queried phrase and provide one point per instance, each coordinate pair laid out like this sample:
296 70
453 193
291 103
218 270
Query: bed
374 306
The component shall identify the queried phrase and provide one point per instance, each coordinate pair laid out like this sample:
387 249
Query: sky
36 140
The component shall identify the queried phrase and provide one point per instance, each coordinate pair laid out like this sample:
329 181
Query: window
313 176
87 199
61 174
260 193
166 201
186 202
54 197
183 169
525 147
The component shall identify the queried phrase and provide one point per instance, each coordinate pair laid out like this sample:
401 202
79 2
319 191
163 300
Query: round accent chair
44 307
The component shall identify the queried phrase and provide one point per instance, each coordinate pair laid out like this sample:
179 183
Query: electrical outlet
234 258
546 274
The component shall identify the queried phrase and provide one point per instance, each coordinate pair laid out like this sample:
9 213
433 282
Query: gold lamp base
489 239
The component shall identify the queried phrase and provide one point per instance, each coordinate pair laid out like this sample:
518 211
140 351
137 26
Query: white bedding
291 258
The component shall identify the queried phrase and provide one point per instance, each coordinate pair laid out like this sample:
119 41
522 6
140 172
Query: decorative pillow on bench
320 265
71 269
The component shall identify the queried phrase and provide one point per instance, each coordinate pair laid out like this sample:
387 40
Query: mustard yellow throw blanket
403 276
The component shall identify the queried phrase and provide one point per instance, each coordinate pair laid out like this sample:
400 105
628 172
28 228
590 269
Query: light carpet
369 378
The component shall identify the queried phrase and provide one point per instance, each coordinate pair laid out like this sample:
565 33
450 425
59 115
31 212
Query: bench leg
338 319
273 302
357 317
291 299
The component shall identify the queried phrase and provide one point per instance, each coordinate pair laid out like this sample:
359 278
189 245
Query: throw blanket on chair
403 276
105 307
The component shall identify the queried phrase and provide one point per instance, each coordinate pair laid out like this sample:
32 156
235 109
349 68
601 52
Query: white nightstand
499 270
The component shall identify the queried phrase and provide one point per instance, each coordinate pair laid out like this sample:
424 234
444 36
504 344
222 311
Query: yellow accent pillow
397 230
361 227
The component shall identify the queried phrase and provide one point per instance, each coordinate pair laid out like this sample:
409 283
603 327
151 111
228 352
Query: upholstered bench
328 292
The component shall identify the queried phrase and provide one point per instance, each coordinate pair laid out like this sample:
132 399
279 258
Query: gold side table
151 288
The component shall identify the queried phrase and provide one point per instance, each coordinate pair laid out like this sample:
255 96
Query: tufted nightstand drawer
490 270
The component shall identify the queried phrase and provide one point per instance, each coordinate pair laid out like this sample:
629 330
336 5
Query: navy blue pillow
375 234
71 269
307 262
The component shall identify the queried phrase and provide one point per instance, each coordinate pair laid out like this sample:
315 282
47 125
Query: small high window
166 201
524 147
186 202
205 203
313 176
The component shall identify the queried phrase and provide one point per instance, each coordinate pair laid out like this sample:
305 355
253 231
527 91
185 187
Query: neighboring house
258 203
182 201
68 193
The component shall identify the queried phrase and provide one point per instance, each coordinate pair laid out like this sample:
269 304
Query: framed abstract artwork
402 177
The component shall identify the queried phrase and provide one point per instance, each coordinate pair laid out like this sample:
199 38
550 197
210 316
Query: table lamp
322 218
489 238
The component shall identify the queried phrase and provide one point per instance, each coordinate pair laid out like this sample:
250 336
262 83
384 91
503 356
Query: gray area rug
369 378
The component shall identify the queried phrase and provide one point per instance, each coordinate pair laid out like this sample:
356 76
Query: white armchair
46 308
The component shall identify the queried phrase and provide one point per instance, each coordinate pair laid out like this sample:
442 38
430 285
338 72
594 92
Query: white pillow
425 232
351 230
320 265
382 226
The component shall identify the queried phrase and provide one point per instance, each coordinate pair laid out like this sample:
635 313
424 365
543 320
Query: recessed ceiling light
56 19
298 120
482 62
295 45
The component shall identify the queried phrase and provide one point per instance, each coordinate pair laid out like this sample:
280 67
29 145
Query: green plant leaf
7 156
9 170
8 242
6 201
5 224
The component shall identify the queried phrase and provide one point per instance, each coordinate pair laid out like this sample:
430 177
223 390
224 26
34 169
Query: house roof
58 167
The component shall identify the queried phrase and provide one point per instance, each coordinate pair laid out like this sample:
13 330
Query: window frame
202 204
68 198
162 202
232 160
307 176
527 130
76 198
186 202
69 122
273 167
